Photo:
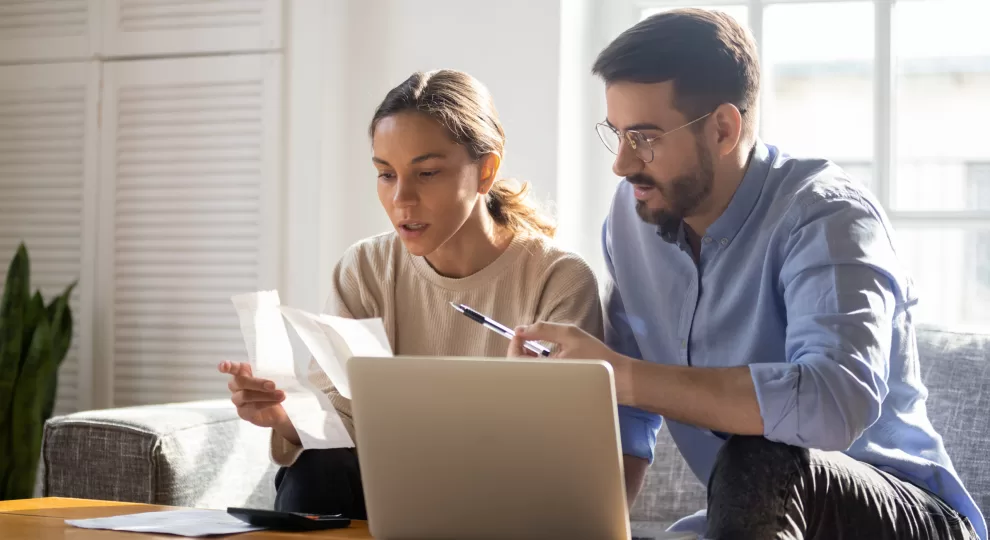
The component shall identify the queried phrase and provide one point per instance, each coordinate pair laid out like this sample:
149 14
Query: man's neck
729 174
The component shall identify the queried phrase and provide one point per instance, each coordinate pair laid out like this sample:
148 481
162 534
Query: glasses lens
609 137
644 150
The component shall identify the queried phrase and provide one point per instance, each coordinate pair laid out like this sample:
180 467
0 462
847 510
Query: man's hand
576 344
257 400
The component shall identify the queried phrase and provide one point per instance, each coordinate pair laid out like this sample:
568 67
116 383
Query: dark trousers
322 482
770 491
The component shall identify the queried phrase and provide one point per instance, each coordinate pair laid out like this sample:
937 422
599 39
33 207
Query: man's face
679 179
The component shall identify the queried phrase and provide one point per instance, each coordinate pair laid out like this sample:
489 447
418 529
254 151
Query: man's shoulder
804 187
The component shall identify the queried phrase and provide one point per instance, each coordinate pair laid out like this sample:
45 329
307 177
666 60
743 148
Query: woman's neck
476 245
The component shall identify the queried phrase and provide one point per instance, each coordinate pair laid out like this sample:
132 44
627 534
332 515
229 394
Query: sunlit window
930 164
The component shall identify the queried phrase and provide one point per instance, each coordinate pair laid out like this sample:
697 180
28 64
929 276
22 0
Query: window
978 249
894 91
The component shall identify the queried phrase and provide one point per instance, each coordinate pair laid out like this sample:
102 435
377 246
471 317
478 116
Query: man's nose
626 163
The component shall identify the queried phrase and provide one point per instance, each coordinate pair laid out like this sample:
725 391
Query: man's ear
728 126
489 164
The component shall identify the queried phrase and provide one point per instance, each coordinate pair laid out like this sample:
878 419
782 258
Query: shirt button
708 239
724 241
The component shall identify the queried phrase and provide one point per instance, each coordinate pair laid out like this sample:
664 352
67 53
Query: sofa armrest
195 454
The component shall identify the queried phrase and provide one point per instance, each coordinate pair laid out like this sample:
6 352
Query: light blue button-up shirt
798 279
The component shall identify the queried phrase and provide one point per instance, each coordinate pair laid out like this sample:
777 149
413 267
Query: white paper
179 522
316 421
335 340
265 338
310 411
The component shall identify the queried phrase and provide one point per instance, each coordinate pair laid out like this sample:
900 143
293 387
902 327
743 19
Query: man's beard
683 194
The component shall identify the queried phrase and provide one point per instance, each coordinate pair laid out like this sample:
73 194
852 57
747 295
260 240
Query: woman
461 235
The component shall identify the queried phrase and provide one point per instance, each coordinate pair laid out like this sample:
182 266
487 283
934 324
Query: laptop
481 448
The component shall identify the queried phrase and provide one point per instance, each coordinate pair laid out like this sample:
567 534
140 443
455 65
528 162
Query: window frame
884 100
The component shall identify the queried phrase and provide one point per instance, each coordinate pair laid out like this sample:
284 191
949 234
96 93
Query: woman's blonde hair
463 105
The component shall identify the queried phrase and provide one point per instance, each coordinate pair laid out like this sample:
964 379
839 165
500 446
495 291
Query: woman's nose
405 193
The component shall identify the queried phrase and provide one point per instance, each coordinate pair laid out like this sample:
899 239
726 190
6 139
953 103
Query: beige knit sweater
531 280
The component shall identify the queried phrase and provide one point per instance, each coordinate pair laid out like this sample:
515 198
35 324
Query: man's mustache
641 180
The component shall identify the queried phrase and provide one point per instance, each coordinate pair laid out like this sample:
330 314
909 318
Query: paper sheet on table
179 522
335 340
270 352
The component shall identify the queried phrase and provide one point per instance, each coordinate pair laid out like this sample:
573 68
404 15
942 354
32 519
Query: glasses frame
629 134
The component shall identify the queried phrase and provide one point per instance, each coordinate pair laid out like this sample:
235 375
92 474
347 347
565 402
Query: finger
544 331
238 369
516 348
245 397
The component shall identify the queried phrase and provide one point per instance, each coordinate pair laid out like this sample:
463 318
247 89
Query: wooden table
45 519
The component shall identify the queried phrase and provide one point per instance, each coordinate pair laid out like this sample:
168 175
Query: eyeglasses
640 143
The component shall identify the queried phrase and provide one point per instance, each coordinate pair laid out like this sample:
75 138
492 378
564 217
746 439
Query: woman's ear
489 164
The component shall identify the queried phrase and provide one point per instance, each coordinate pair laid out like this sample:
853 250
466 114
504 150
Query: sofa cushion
955 367
197 454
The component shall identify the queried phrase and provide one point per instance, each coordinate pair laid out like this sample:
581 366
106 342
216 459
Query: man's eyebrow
380 161
644 126
636 127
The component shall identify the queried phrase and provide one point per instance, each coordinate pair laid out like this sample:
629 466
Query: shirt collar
742 203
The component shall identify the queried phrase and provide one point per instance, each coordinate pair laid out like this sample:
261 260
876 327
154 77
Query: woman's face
428 185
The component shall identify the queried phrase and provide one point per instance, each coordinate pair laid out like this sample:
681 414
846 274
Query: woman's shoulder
379 246
374 254
546 256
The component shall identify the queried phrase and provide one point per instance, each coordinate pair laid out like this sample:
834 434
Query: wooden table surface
44 519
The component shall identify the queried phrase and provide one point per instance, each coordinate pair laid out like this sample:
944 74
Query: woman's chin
417 247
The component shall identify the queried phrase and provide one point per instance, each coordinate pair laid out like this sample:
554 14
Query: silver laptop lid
488 448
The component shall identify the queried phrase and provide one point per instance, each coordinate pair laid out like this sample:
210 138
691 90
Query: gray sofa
200 454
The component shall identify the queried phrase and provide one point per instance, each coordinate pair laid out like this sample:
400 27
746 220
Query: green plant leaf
34 311
26 422
60 317
16 292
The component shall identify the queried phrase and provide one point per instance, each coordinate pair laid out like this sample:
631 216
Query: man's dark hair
710 58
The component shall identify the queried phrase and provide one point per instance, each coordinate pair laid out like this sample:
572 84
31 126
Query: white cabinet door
159 27
48 151
189 201
48 29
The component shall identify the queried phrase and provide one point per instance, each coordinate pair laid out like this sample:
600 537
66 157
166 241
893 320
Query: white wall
511 46
343 56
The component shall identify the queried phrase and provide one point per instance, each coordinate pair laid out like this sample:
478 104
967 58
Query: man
757 303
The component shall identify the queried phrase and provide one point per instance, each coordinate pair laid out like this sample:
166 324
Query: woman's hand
257 400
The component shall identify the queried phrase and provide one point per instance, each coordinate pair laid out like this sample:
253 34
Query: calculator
289 521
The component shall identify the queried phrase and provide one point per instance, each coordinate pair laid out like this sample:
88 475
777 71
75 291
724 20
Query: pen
499 328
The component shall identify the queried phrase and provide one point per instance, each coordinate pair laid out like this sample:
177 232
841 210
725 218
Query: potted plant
34 339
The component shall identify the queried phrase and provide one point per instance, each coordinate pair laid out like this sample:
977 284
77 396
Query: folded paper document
178 522
332 341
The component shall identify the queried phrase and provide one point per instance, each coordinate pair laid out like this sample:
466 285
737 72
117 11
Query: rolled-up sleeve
637 428
840 303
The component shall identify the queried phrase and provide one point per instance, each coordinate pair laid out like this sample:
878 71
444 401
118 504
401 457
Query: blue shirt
799 280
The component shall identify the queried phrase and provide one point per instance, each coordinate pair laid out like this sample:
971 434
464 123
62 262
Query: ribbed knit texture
532 280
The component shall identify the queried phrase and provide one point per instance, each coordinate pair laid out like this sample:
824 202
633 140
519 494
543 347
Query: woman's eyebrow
424 157
415 160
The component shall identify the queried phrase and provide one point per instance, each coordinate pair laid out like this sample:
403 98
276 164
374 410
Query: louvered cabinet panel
48 156
190 153
48 29
154 27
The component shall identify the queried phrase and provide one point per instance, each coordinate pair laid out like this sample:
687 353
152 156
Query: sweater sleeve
348 298
570 296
